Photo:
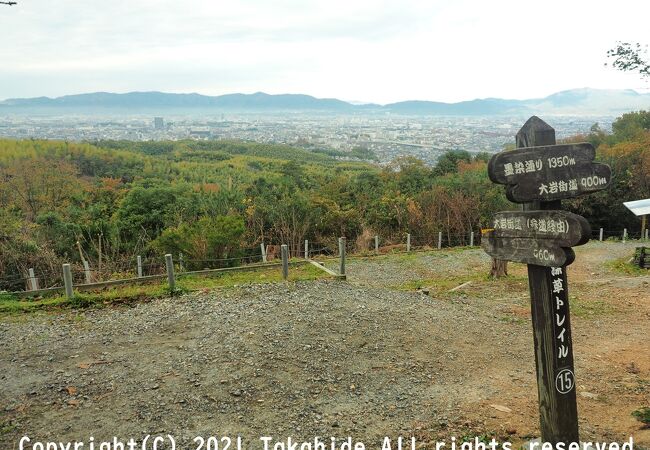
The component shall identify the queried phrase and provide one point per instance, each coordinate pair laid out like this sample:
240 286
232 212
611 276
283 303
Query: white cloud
378 51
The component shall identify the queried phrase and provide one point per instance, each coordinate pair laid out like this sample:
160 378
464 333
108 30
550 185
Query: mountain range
583 101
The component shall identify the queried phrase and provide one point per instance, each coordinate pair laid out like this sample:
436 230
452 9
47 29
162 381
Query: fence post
139 266
408 242
306 249
87 272
624 235
376 245
342 255
181 263
646 234
67 281
169 261
471 239
601 235
99 258
439 240
285 261
33 282
263 252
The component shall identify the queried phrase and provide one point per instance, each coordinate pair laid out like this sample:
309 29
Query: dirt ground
389 352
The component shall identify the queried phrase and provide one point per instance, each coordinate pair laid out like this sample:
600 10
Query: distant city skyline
364 51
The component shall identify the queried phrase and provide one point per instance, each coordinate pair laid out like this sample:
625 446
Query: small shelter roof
639 207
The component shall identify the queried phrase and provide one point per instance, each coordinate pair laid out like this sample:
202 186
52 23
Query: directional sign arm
562 228
544 157
568 183
550 172
526 250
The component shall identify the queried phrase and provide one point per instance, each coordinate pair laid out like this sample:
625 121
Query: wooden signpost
539 174
543 238
549 172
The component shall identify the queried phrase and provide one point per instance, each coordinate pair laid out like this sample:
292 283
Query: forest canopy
109 201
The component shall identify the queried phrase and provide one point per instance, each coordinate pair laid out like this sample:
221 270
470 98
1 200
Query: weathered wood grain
565 229
553 358
525 250
558 410
582 153
550 172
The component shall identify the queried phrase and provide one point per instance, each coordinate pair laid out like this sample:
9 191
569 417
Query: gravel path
324 358
390 271
304 359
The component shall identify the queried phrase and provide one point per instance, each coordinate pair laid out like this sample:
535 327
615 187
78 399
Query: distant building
158 123
202 133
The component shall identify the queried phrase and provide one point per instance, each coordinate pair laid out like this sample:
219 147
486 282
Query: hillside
583 101
108 202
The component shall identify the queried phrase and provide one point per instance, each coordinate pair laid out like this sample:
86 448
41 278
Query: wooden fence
84 278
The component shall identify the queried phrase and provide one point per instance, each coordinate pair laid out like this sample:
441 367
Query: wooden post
87 273
67 281
408 242
601 235
439 240
646 234
376 245
499 268
81 253
644 231
306 249
471 239
139 266
551 323
624 235
342 256
99 258
263 252
285 261
171 279
33 281
181 263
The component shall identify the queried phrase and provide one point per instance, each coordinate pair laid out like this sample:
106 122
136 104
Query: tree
448 162
628 57
332 221
37 185
410 173
631 125
208 240
147 210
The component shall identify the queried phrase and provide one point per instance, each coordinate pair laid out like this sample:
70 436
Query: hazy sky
366 50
